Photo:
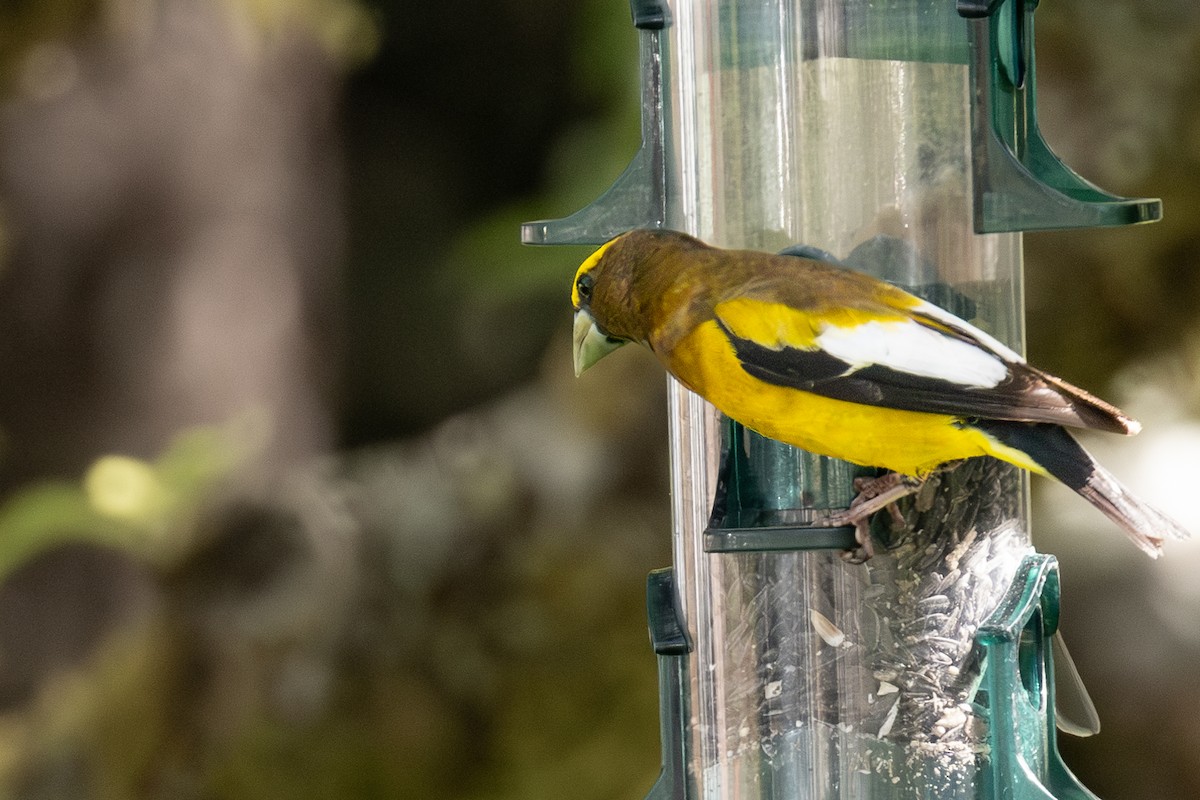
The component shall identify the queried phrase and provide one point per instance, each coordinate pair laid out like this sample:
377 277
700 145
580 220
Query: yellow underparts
909 442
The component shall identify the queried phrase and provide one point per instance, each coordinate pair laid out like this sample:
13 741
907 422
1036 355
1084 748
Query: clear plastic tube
840 125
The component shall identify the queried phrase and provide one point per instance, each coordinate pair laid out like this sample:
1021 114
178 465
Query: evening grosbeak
845 365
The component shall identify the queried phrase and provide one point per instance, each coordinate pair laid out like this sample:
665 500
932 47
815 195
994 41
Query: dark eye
584 286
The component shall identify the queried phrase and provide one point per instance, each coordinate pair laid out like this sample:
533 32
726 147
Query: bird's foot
873 494
865 549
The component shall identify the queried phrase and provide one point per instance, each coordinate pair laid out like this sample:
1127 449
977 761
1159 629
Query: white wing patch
986 340
908 346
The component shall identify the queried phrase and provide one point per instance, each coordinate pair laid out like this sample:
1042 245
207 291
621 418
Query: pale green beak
590 344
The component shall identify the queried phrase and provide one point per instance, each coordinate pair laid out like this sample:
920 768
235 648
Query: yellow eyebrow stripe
587 265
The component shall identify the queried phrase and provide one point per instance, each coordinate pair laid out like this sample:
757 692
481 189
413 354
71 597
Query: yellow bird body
908 442
845 365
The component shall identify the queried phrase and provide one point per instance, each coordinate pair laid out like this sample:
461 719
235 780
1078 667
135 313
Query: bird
840 363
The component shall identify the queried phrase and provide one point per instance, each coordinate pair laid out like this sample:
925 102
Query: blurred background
298 495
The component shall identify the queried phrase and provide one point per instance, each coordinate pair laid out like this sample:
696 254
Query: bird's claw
873 494
866 549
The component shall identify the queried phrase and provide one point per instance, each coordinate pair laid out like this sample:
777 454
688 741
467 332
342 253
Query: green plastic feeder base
1025 763
1015 696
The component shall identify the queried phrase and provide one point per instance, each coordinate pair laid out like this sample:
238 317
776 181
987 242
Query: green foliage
138 506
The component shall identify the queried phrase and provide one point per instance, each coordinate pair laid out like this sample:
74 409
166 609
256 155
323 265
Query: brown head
618 287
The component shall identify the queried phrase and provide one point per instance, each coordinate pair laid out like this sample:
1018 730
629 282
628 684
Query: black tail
1057 452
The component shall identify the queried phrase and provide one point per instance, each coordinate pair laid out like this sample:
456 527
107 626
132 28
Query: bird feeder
899 137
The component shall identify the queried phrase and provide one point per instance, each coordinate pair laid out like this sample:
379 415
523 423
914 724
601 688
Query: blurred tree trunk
171 188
